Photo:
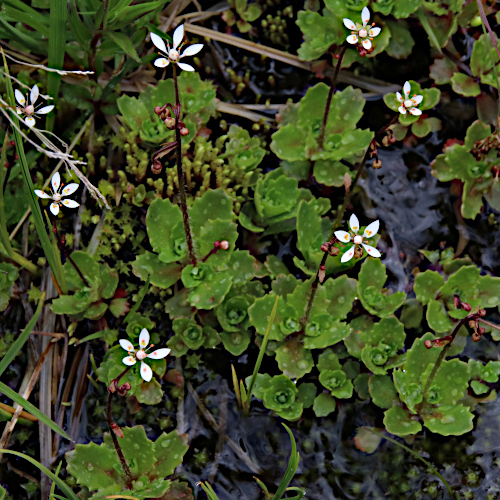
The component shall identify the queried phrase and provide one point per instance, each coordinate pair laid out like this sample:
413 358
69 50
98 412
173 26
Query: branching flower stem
338 220
180 174
321 138
111 390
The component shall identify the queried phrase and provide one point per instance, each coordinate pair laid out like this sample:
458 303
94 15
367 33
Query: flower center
363 33
358 239
408 103
173 55
30 109
140 355
56 197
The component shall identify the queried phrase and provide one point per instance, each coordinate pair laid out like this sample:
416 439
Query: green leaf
123 41
330 173
382 391
401 42
169 449
324 404
280 393
397 421
161 274
427 285
293 359
236 342
465 85
449 420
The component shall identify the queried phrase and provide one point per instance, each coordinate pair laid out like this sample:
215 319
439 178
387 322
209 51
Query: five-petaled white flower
361 33
172 55
141 354
353 236
56 195
407 103
28 110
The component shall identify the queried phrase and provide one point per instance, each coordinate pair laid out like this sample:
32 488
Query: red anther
337 56
54 230
428 344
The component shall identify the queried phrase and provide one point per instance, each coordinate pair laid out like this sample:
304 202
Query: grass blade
30 408
53 487
33 200
60 483
57 43
209 491
261 352
140 298
427 27
16 347
293 463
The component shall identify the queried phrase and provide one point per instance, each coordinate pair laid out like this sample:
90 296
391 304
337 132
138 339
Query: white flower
408 104
361 33
134 356
172 55
345 237
28 111
56 195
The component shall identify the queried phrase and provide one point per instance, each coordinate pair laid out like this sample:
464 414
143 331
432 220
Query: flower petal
354 223
348 255
402 110
146 372
30 121
143 338
129 360
69 189
162 62
371 229
127 345
185 67
56 182
54 208
399 97
417 99
352 39
365 16
45 110
158 42
159 354
192 49
19 111
20 98
367 44
374 31
342 236
407 89
34 94
42 194
371 250
178 35
415 111
70 203
349 24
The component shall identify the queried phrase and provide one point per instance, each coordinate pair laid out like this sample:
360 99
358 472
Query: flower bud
333 251
466 307
482 312
158 110
362 51
472 324
456 301
156 167
481 330
217 244
428 344
117 430
169 123
184 131
476 337
376 164
325 246
321 273
224 245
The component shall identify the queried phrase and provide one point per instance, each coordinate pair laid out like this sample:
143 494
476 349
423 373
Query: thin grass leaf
30 408
261 352
427 27
48 250
293 463
416 455
32 44
123 41
53 486
35 20
16 347
209 491
130 14
57 48
79 29
4 234
60 483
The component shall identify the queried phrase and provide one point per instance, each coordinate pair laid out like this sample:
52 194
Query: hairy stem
63 248
321 138
118 448
181 176
338 220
